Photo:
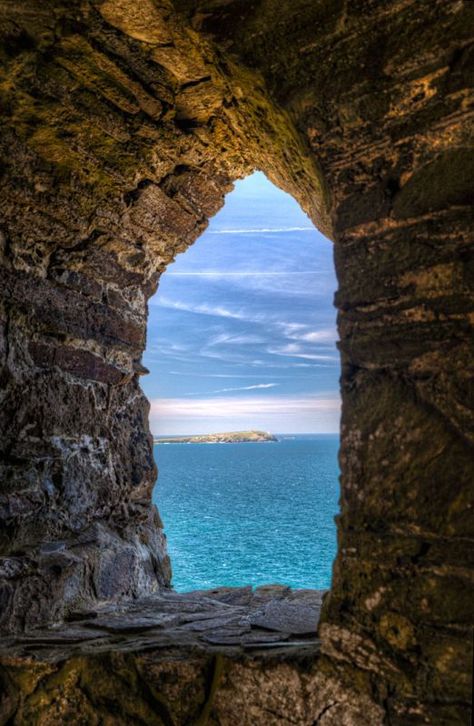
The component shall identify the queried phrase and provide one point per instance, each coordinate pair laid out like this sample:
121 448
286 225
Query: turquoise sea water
250 514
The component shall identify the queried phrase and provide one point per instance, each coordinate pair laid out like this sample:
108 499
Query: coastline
233 437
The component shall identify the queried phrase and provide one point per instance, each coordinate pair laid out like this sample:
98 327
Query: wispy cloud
219 311
241 407
233 357
226 413
239 388
233 339
319 336
294 350
299 331
193 374
243 273
256 230
292 329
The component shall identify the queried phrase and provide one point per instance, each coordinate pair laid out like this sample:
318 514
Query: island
233 437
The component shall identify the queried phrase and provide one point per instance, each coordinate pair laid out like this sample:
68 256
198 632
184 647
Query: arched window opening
242 337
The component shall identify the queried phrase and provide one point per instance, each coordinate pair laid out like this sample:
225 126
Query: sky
241 331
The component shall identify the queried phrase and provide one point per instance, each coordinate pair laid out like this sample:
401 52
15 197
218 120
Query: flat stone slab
223 656
231 621
295 616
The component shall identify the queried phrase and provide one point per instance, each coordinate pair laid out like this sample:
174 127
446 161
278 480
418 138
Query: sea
250 513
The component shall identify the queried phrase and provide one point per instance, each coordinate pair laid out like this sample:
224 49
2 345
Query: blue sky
241 331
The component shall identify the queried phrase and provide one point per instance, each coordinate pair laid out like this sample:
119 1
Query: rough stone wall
382 92
151 690
121 134
125 123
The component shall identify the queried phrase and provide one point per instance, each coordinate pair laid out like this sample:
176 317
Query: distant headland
233 437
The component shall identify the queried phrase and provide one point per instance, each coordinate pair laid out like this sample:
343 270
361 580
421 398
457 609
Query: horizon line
217 273
275 433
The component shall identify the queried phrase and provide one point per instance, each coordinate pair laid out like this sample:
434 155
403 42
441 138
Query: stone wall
381 92
125 123
114 154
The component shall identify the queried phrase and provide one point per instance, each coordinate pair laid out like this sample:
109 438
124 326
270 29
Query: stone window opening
241 336
124 124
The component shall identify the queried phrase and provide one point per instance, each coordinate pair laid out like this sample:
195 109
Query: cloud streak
241 407
193 374
257 230
218 311
233 339
300 332
293 350
238 388
244 273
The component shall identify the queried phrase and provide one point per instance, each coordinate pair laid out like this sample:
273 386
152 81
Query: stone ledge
232 621
224 656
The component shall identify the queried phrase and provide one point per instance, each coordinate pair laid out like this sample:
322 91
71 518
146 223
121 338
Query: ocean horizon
246 514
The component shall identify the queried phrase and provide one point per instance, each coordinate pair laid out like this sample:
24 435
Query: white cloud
299 331
204 309
286 365
288 349
319 336
238 407
294 350
243 230
167 347
240 388
290 329
228 338
220 375
214 354
243 273
226 413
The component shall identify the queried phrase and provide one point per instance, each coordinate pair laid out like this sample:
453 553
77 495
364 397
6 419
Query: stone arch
125 125
121 178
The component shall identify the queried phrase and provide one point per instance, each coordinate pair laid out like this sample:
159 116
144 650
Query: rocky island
234 437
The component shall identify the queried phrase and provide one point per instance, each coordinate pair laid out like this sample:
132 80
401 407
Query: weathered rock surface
170 659
232 619
124 125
